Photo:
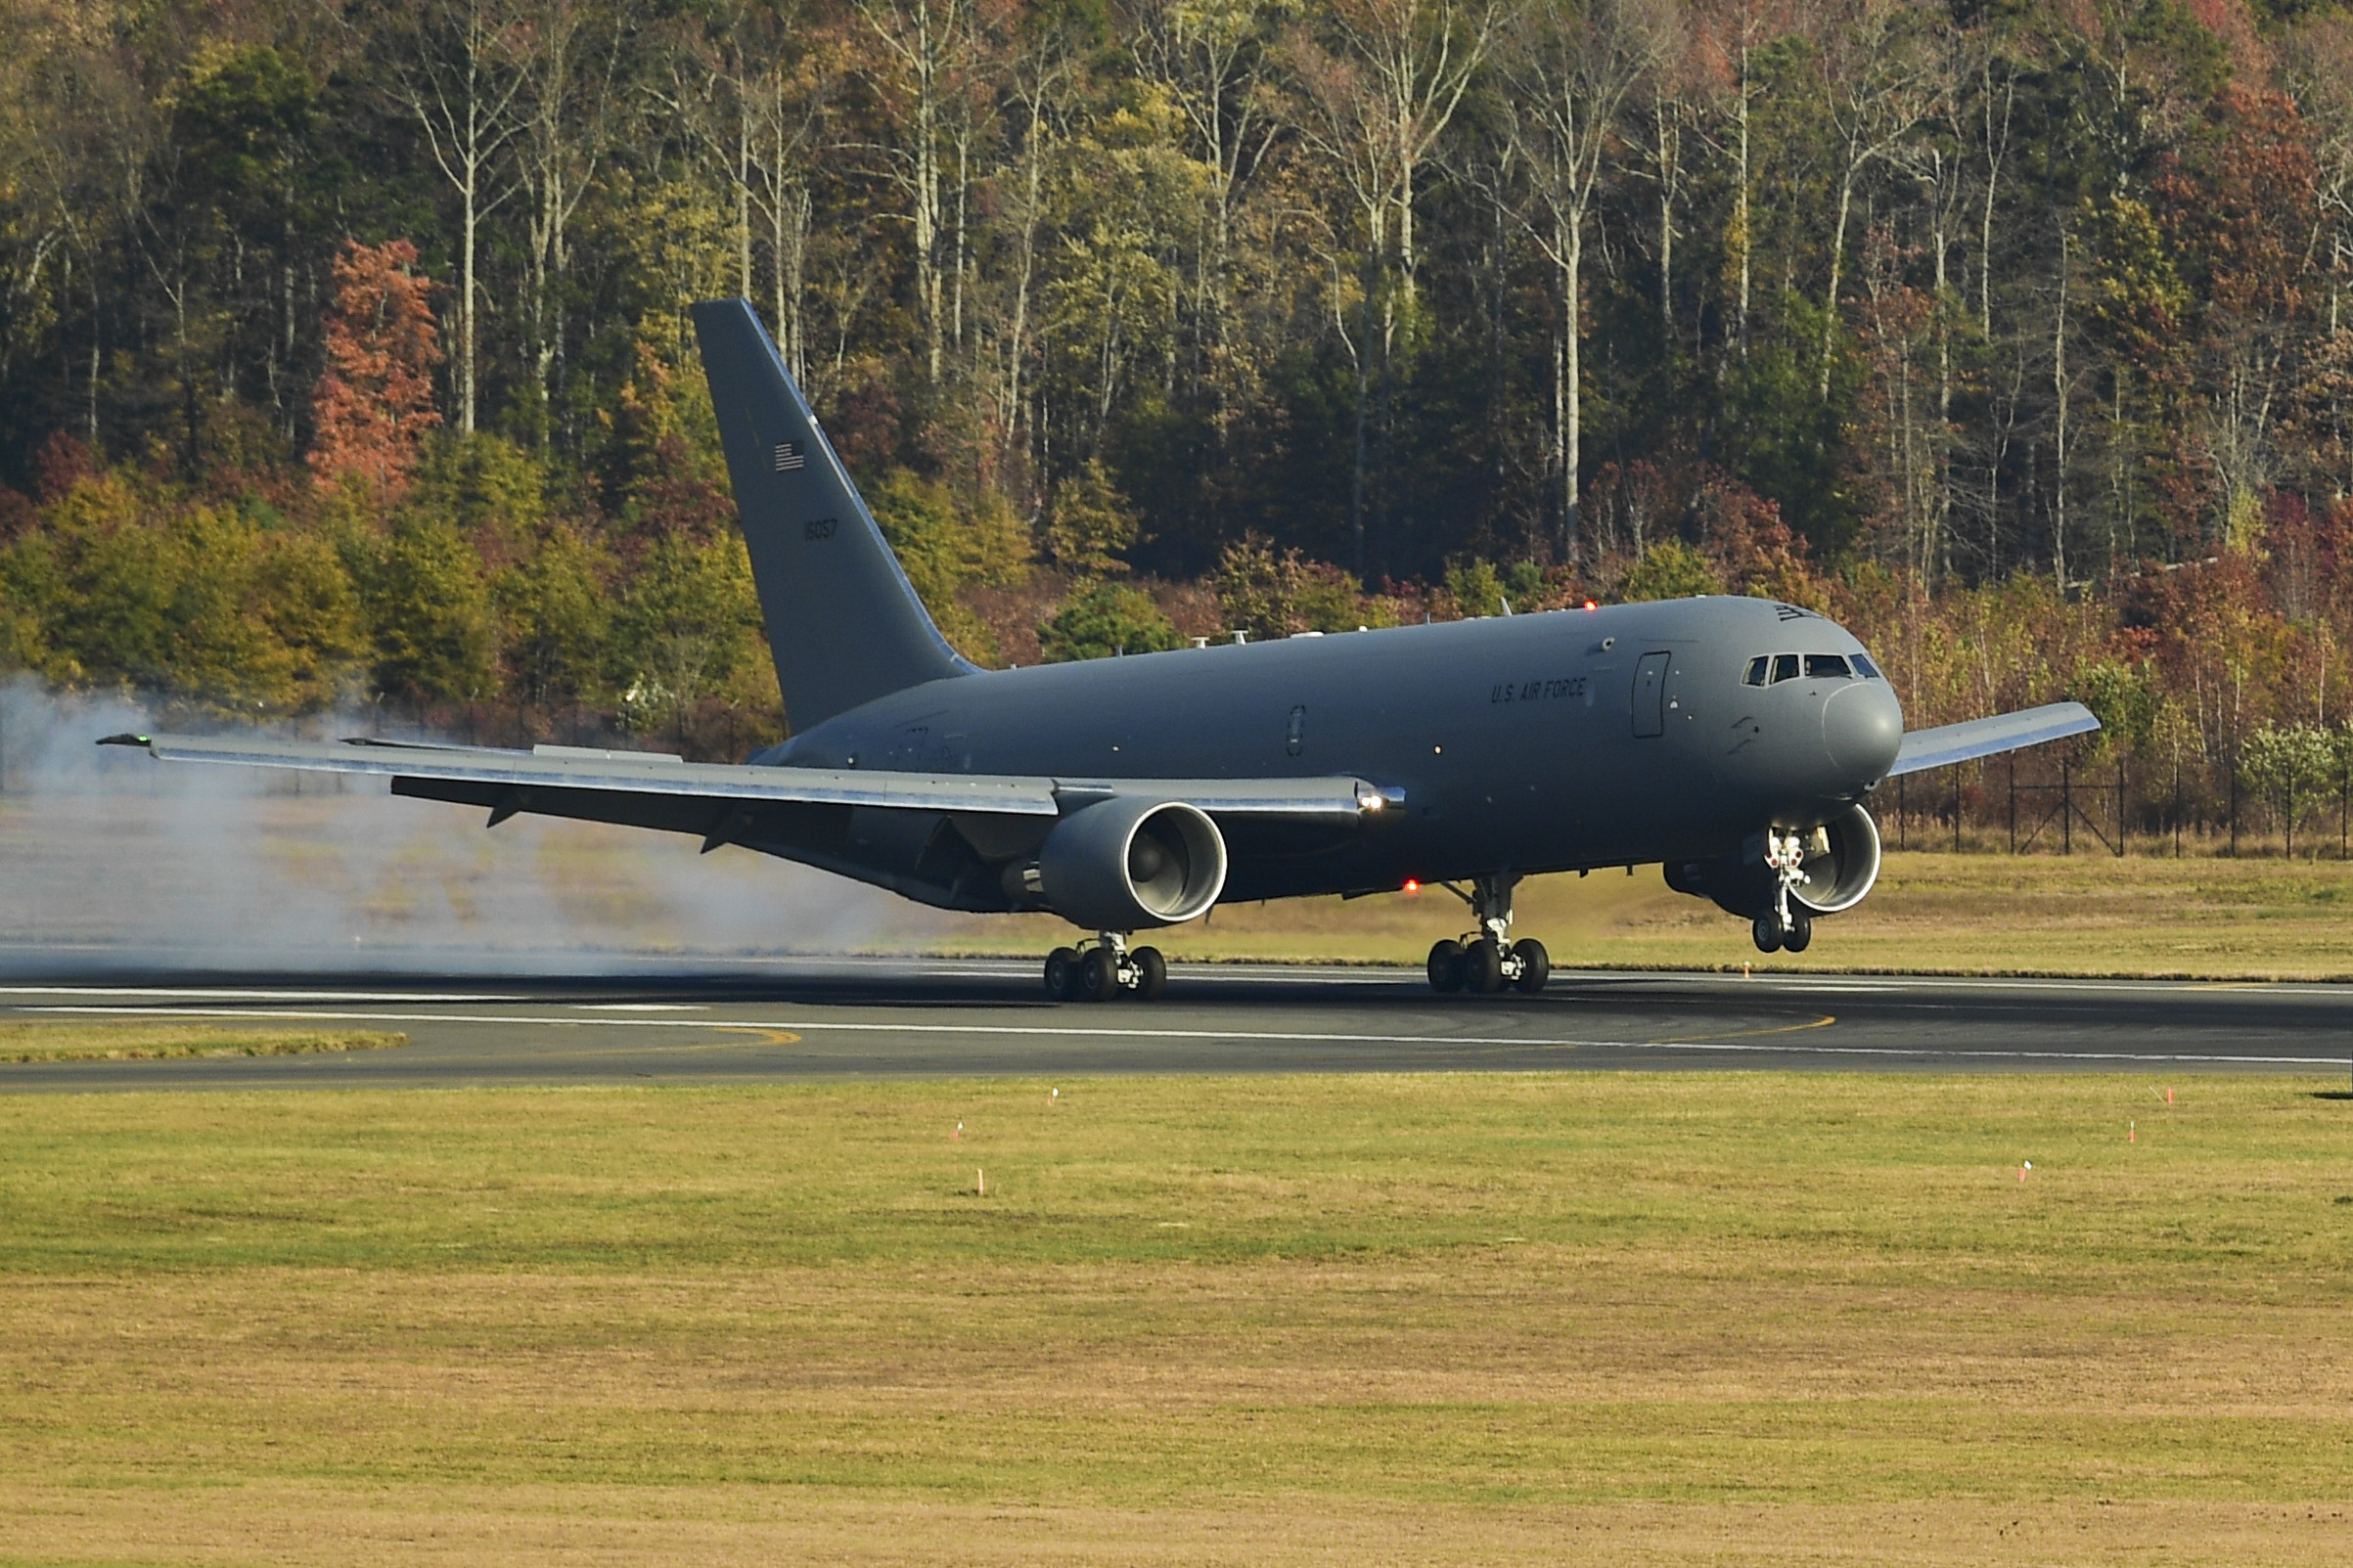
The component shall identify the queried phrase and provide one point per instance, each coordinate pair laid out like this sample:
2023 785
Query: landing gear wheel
1061 974
1446 967
1152 972
1535 965
1799 934
1098 976
1483 967
1767 932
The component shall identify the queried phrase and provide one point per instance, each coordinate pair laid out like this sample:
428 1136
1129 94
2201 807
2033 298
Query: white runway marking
1047 1031
200 993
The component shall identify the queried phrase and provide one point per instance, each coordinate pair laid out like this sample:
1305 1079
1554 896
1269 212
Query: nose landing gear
1782 928
1487 961
1104 967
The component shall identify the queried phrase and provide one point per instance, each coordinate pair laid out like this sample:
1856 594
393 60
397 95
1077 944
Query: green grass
43 1041
1485 1299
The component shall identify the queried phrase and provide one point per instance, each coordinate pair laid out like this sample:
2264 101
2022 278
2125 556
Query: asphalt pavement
902 1018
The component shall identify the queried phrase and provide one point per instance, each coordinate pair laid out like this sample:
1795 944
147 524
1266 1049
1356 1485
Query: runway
905 1018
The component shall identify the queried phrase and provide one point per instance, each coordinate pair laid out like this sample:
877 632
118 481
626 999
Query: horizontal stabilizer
631 774
1948 743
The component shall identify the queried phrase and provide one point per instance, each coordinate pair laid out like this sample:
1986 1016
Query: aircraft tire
1535 965
1766 932
1061 974
1446 967
1800 934
1152 972
1098 976
1483 967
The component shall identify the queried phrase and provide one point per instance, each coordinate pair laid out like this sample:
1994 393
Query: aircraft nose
1862 724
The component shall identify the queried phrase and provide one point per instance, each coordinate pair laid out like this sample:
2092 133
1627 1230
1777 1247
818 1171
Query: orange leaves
375 402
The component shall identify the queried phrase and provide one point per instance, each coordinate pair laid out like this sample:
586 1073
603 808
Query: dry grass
119 1041
1672 1318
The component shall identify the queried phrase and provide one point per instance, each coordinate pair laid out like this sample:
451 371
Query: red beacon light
1591 604
1412 885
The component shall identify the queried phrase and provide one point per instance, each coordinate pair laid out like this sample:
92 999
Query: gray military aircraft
1731 741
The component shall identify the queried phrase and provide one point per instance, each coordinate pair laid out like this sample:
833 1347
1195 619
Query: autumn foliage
2018 337
376 401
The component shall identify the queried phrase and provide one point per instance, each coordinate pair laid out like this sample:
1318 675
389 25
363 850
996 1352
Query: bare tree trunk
458 80
2058 389
1743 243
1573 429
922 37
1829 301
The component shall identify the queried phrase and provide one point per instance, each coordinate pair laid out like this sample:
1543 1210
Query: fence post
2066 810
2013 802
2119 808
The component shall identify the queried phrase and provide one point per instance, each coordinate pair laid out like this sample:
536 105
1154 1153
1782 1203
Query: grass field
130 1041
1676 1319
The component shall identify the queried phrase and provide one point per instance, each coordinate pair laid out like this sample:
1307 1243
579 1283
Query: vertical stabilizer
843 622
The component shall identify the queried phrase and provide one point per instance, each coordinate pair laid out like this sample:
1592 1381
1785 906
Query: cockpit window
1757 667
1784 667
1864 667
1822 664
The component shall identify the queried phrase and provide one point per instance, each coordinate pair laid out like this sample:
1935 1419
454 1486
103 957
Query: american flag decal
788 457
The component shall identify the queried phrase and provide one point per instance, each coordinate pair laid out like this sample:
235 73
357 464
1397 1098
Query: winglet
126 739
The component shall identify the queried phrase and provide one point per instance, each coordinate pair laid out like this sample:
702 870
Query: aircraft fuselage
1526 743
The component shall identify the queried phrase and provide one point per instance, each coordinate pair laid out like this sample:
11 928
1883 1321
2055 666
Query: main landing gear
1487 960
1104 966
1780 928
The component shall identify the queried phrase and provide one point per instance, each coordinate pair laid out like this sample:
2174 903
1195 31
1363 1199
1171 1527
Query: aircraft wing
1948 743
654 790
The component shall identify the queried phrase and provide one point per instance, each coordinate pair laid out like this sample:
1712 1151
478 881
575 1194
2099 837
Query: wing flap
1948 744
614 774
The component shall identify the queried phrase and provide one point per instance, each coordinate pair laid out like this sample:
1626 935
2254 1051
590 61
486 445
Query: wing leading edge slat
1948 744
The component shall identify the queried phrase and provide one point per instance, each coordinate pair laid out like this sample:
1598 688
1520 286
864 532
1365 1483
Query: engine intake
1841 863
1129 865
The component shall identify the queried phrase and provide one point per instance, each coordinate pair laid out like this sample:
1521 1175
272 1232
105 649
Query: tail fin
843 623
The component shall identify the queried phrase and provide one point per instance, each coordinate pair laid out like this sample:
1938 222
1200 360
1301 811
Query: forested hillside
344 355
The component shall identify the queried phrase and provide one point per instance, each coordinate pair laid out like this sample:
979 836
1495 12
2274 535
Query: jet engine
1841 863
1126 864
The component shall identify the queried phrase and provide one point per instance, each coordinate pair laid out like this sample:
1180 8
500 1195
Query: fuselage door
1650 695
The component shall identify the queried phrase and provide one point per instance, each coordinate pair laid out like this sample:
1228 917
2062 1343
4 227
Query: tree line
343 353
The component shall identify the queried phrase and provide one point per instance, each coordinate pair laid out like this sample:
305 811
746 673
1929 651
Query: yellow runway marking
773 1036
1823 1022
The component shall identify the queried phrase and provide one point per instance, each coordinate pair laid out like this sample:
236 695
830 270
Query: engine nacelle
1840 865
1127 865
